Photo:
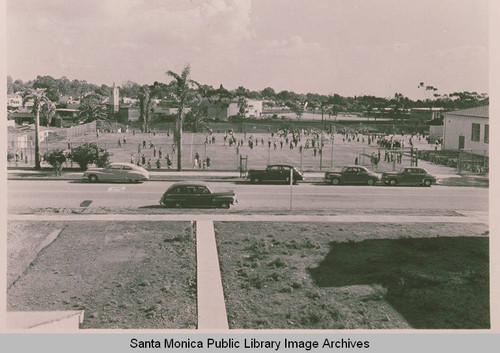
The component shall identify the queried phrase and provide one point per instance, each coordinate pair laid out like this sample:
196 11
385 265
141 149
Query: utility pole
333 141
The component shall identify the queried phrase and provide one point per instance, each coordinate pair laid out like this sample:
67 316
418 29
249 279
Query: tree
55 158
89 153
182 91
298 110
130 89
146 105
268 93
196 118
50 85
47 113
91 109
39 99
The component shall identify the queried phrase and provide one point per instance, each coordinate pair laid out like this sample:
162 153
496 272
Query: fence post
484 162
460 162
301 153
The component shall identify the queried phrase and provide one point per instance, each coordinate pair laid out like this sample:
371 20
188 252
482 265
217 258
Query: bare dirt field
123 274
354 276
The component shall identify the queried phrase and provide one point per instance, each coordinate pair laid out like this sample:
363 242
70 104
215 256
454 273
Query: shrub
10 156
55 158
89 153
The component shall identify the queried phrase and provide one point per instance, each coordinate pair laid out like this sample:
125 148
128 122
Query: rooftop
481 112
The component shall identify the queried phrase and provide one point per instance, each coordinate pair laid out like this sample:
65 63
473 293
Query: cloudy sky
349 47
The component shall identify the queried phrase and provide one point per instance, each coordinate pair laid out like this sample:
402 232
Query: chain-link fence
472 161
81 130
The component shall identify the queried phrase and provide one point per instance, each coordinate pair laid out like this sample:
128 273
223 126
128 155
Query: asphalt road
70 194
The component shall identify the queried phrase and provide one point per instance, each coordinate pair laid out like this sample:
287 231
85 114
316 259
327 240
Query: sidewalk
446 176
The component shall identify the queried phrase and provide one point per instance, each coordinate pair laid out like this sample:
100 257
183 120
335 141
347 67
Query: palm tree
90 111
146 106
39 98
242 109
48 111
196 118
183 93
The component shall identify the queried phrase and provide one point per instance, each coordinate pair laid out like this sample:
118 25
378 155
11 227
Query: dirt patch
123 274
285 275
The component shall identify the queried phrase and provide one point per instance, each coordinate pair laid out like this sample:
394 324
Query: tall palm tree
39 98
242 109
48 111
182 91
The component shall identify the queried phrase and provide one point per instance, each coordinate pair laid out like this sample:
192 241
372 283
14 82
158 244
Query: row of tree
54 88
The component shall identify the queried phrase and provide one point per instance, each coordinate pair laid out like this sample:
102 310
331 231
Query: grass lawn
123 274
352 276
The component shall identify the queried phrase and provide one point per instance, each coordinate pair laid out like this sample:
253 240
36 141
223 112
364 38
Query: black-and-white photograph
234 165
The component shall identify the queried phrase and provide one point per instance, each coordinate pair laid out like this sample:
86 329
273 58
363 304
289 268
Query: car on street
275 173
409 176
196 194
351 175
117 172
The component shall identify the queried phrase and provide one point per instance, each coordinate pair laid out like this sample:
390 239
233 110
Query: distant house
425 114
467 129
128 113
253 110
131 101
14 100
67 113
218 111
68 100
224 110
436 130
22 118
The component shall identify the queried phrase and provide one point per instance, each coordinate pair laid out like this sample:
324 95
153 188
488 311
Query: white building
14 100
467 129
127 100
253 110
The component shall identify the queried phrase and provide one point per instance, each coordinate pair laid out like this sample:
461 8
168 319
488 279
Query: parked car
409 176
351 175
196 194
275 173
117 172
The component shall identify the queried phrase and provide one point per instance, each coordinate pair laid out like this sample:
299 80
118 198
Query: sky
348 47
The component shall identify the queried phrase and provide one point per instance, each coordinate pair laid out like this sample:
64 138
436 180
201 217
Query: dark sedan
409 176
351 175
196 195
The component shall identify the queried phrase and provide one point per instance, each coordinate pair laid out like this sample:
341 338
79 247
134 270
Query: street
71 194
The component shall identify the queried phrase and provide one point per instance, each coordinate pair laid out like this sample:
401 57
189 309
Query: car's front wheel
225 205
393 182
370 182
427 182
335 181
93 178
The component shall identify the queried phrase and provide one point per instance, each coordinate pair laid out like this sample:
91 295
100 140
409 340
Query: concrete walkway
211 303
466 217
